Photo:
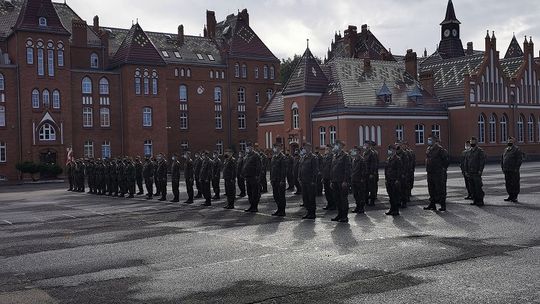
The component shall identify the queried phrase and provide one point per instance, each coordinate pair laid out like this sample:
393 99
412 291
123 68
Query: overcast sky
284 25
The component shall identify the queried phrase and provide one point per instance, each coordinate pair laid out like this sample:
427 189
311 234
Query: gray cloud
284 25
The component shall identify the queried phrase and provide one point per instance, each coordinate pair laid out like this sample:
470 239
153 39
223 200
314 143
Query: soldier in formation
229 179
251 171
175 179
474 167
216 174
511 160
437 161
278 176
308 169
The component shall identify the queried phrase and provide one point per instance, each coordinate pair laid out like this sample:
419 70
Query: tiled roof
354 85
510 66
30 13
239 40
66 15
307 77
450 14
137 48
449 74
273 111
514 49
9 12
367 46
165 42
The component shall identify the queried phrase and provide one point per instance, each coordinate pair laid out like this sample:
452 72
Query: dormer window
385 94
94 61
42 21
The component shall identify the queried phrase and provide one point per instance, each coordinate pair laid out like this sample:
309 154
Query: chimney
211 24
243 15
205 32
364 28
104 37
488 42
351 38
336 37
411 63
180 34
427 81
470 48
79 34
96 23
367 64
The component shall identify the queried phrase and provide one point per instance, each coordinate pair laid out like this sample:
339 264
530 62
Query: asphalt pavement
64 247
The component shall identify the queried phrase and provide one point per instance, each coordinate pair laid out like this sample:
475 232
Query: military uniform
205 178
326 173
161 176
106 176
229 178
122 182
216 176
251 172
393 175
296 165
474 166
341 179
113 190
359 180
197 171
510 163
139 176
437 161
99 178
290 172
278 175
308 169
175 180
156 179
264 168
189 177
319 174
130 178
240 179
148 175
90 177
466 178
372 159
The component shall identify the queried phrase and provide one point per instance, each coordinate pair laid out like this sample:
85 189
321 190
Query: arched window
269 93
50 58
183 93
504 128
399 133
60 54
42 21
103 86
138 82
47 132
94 61
2 116
237 70
46 99
104 117
419 132
241 95
35 99
148 149
295 116
333 135
86 85
146 82
211 74
530 129
244 71
521 129
56 99
154 83
188 74
29 51
265 72
272 72
481 129
322 136
182 72
147 117
472 96
2 84
492 128
217 94
175 72
40 59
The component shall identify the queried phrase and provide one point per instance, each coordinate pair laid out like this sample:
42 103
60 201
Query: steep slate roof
30 13
367 46
355 88
273 111
9 13
137 48
510 66
450 14
307 77
66 15
239 40
514 49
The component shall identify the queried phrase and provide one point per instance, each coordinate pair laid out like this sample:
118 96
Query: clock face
454 32
200 90
447 33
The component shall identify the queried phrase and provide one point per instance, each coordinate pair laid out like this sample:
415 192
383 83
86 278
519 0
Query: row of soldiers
335 171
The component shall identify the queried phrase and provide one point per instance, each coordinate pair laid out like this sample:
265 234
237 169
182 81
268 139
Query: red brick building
107 92
363 92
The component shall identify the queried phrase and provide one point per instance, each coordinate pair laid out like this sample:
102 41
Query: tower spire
450 14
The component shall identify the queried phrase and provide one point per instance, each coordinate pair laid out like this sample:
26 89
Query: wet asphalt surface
64 247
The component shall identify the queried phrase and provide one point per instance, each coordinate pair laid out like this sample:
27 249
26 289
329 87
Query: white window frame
217 94
530 129
148 148
88 117
41 62
322 136
272 72
219 146
147 117
94 61
400 133
50 62
35 99
3 152
88 149
2 116
295 118
492 129
218 120
29 55
419 134
56 99
105 117
481 129
244 70
47 132
106 149
184 120
46 98
104 86
86 85
436 130
504 128
242 125
333 134
241 95
265 72
183 93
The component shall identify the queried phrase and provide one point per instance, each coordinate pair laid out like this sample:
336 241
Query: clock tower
450 45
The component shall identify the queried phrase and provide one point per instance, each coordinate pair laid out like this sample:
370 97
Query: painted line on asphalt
71 216
7 222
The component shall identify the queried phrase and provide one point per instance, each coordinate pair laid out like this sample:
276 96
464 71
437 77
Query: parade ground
64 247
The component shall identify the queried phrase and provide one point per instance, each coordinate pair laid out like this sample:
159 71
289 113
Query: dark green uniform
359 180
290 172
129 172
139 176
251 172
148 175
264 167
239 178
326 172
175 180
437 161
189 177
393 175
278 175
464 172
229 178
205 178
510 163
319 174
197 163
341 180
296 165
372 159
474 166
216 176
308 169
161 176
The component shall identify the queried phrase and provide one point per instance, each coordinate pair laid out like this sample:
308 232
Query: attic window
42 21
211 57
165 54
177 54
200 57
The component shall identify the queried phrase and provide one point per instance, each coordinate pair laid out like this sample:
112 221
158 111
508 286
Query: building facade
363 92
107 92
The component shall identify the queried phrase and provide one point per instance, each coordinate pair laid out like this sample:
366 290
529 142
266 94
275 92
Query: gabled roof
137 48
9 13
30 13
239 40
514 49
273 110
367 46
67 14
450 14
307 77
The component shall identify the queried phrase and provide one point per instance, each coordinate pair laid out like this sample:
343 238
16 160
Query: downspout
122 116
19 123
229 109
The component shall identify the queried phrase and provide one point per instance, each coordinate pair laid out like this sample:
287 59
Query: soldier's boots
229 206
309 216
358 210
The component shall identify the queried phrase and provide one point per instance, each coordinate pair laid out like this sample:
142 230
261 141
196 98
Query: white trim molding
381 117
266 124
456 108
302 94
